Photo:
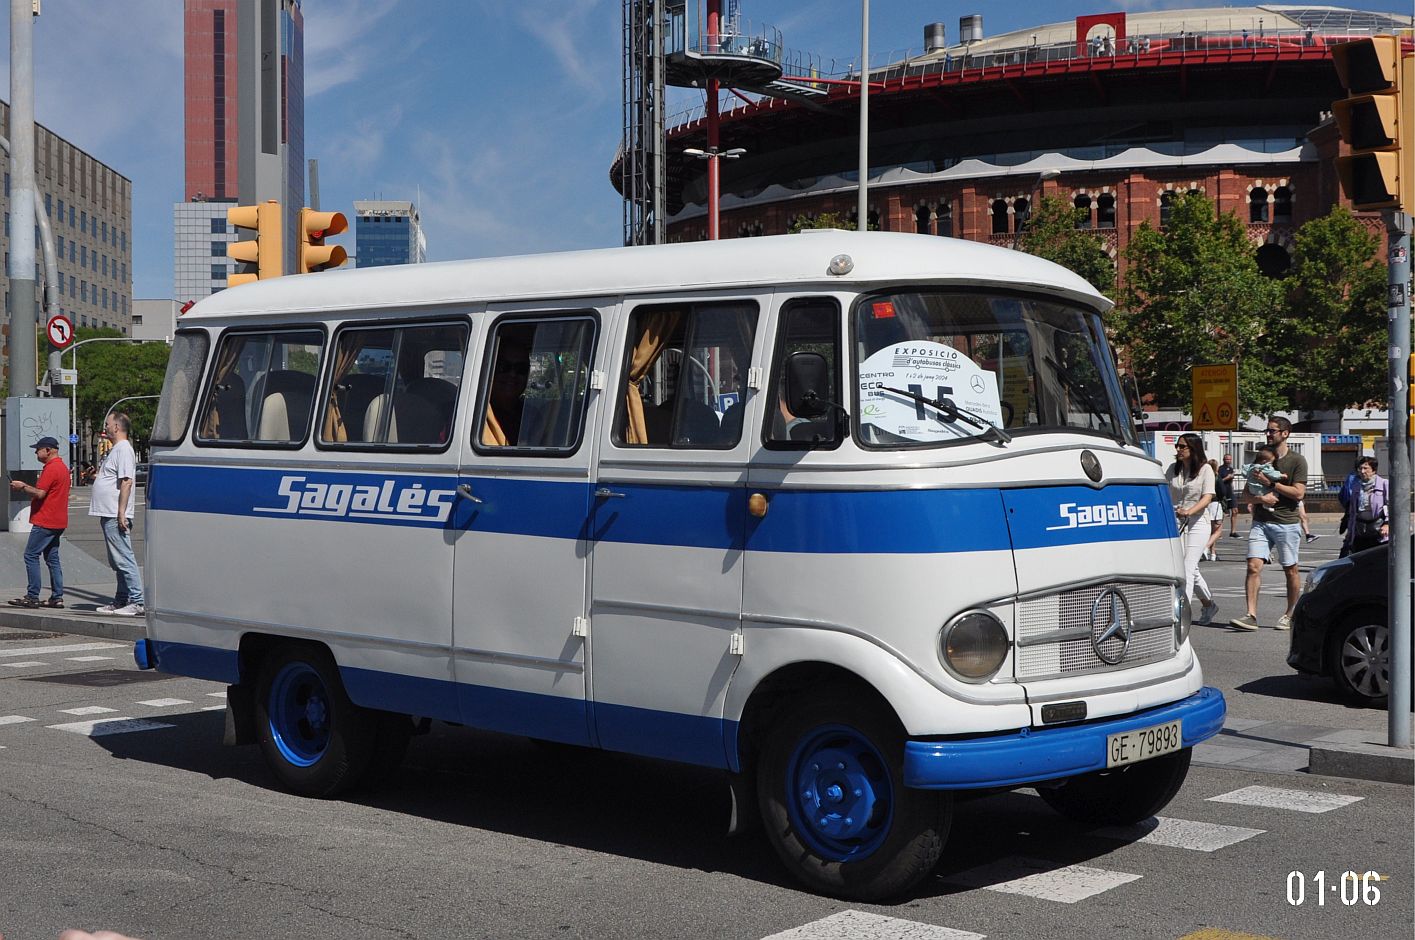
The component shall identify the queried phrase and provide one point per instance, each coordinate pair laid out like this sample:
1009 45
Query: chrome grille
1040 617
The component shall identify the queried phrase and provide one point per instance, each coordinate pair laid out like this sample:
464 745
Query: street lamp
1050 173
712 155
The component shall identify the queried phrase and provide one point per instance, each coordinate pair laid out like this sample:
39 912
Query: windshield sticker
933 372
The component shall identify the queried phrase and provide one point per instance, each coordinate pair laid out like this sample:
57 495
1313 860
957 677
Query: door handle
605 492
465 491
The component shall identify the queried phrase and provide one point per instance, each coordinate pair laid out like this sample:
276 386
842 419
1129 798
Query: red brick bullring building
1115 112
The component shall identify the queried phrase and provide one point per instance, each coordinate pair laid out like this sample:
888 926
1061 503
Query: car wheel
832 797
1360 661
316 741
1123 795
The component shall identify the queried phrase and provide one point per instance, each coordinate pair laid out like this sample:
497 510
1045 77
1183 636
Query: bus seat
229 403
658 422
374 414
698 424
424 411
731 431
357 392
285 410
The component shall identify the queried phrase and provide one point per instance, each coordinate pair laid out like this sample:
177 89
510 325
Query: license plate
1143 743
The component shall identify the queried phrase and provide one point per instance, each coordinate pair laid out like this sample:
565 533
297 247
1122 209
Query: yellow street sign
1215 397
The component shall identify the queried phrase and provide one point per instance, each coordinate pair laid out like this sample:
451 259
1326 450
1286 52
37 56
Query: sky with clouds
499 117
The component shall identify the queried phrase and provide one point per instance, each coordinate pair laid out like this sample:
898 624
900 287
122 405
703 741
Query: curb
1377 762
81 623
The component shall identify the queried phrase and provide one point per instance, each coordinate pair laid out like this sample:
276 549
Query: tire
316 741
1360 658
1122 796
833 802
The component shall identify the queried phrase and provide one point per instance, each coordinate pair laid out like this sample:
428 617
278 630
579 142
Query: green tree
1337 313
111 371
824 220
1193 295
1052 233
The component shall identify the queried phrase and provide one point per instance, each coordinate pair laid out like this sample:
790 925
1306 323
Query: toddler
1263 464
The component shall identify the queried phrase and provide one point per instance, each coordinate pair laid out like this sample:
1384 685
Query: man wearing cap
48 517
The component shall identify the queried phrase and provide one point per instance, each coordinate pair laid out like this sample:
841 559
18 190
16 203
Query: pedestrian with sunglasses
1191 488
1277 527
48 518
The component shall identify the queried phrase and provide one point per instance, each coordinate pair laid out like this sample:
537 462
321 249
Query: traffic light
1377 121
266 252
315 227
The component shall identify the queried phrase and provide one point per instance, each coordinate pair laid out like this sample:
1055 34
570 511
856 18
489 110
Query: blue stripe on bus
692 739
1078 515
916 521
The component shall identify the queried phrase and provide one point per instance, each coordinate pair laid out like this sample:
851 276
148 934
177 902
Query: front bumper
1034 754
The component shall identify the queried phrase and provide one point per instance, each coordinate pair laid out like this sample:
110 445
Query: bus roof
788 260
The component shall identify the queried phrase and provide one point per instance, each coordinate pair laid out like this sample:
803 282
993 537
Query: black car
1340 626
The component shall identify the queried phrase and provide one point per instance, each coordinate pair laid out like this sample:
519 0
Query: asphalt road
120 808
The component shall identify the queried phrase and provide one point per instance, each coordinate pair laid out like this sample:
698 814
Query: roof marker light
841 265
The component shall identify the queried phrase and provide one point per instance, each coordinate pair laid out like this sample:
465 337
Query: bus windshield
941 366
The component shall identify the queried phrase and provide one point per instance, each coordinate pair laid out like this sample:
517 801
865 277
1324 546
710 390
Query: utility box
26 421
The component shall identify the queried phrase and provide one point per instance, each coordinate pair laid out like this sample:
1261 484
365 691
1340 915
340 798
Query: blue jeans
44 542
120 557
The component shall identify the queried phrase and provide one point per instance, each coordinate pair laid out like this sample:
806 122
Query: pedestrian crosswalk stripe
51 650
101 726
1038 878
1300 801
25 665
1215 933
851 924
1181 834
213 708
221 694
86 659
165 702
13 719
88 710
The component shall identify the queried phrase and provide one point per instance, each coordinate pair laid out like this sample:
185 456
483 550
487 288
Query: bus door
669 527
520 527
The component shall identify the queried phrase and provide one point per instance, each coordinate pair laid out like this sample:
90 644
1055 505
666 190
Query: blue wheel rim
840 799
299 714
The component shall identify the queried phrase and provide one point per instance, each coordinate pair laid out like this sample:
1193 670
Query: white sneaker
106 609
1283 623
132 610
1208 612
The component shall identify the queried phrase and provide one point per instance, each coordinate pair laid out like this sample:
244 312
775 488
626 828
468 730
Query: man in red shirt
49 517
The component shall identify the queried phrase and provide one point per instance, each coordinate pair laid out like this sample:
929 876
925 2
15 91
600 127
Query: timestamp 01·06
1350 887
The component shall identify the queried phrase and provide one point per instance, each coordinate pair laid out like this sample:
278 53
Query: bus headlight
1183 616
973 645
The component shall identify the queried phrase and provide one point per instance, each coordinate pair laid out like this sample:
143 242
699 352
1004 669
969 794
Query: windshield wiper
954 413
1082 393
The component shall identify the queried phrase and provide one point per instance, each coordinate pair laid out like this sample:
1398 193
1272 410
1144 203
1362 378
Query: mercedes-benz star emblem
1110 619
978 385
1092 465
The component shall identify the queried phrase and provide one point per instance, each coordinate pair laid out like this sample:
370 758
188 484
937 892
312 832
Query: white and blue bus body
859 519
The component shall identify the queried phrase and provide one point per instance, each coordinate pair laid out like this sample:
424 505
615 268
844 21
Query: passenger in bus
506 405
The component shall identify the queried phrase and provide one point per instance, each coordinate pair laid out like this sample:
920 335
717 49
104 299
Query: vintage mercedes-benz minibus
858 519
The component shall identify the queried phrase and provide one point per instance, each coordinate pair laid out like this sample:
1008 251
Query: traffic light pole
1398 302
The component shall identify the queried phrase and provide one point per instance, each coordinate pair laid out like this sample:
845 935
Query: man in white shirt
112 502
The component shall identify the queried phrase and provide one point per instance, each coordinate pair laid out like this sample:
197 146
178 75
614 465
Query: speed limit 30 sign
60 330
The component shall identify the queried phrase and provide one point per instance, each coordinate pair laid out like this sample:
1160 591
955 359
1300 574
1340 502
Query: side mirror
807 384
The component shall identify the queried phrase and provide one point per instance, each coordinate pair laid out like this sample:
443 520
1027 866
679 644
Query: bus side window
686 373
262 388
536 387
395 386
806 325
